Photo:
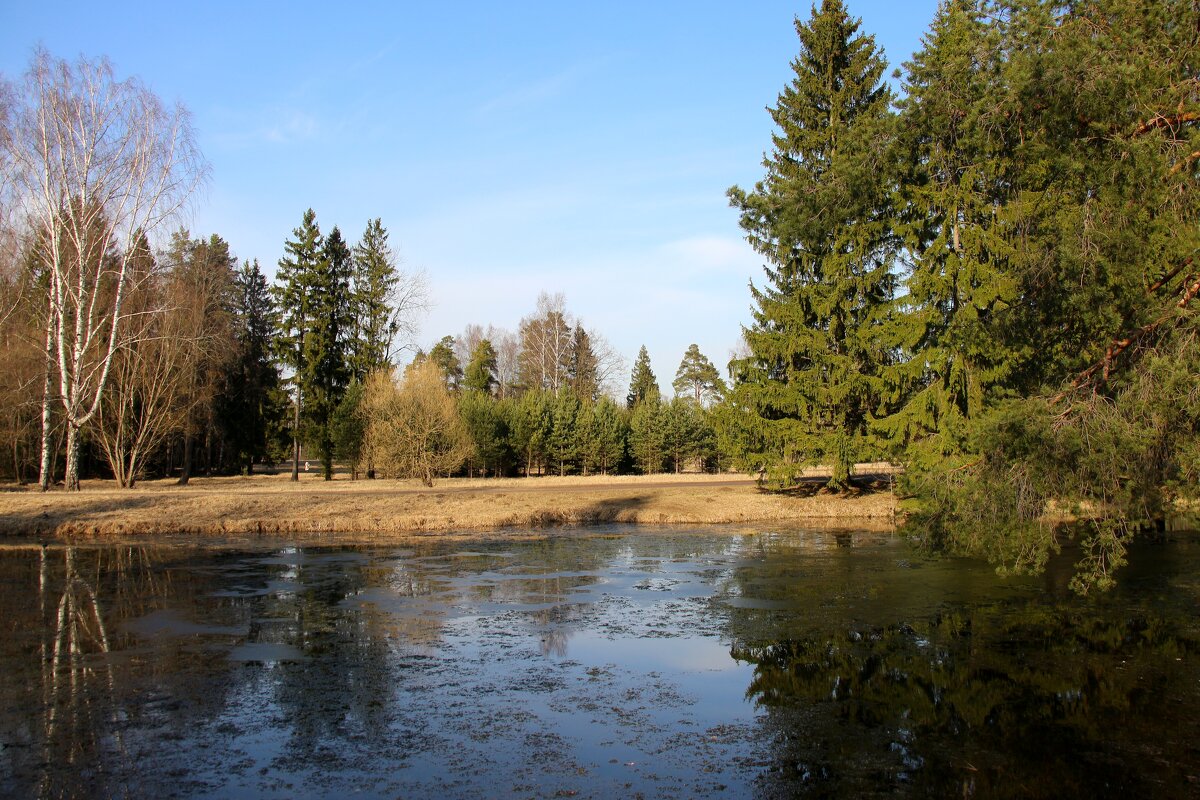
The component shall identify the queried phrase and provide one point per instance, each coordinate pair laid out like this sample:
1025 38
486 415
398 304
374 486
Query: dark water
618 663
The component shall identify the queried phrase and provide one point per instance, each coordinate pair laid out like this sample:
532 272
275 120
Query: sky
509 148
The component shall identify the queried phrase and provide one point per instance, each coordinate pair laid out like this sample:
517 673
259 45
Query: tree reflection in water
1007 699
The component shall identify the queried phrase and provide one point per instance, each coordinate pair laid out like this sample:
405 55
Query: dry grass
274 505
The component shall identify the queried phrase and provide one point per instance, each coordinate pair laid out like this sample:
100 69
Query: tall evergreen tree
375 315
603 431
813 381
252 408
583 372
327 370
642 383
295 287
956 165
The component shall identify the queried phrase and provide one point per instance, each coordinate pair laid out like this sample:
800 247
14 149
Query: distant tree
531 425
648 435
201 289
480 375
687 434
487 426
447 362
821 219
327 370
642 383
295 285
603 432
414 430
565 429
583 370
698 379
251 406
546 340
349 428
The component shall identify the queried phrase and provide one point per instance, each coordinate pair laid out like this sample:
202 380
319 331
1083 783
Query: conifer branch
1165 121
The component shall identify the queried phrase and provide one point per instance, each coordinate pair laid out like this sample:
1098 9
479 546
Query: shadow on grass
82 516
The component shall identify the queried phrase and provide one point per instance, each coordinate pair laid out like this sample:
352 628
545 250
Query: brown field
272 504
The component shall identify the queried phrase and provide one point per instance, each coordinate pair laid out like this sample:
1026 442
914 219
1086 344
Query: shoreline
272 506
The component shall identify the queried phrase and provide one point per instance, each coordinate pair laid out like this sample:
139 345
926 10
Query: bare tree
97 163
546 339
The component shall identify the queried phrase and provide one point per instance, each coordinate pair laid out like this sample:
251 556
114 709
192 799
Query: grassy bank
269 505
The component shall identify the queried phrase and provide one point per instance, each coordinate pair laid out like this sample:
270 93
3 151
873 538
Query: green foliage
643 386
564 434
531 424
648 436
603 433
487 426
349 428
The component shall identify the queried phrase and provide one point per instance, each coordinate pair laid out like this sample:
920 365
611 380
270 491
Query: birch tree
96 164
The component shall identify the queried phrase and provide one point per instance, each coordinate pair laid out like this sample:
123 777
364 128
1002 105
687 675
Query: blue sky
510 148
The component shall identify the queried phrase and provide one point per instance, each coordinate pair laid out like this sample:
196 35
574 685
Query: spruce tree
582 372
375 281
955 168
295 286
326 366
642 383
813 382
251 407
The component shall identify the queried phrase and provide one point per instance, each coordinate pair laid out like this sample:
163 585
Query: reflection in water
679 663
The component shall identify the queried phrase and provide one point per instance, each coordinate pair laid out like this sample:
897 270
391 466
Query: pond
610 662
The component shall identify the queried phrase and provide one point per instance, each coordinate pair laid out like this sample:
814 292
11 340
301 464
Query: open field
272 504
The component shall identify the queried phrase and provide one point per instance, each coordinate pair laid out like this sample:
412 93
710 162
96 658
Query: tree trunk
188 446
44 478
296 438
72 476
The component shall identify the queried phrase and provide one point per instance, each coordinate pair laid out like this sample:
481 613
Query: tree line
558 417
988 276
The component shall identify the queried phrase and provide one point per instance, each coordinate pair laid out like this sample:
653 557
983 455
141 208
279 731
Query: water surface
610 662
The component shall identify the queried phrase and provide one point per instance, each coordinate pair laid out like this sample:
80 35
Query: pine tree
698 379
480 375
532 424
443 355
295 285
813 381
642 383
